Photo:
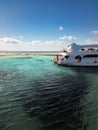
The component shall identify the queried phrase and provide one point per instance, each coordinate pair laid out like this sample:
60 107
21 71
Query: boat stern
58 59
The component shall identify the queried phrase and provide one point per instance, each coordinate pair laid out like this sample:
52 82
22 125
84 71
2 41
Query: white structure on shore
78 55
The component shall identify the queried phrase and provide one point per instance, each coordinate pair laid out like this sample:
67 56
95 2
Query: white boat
78 55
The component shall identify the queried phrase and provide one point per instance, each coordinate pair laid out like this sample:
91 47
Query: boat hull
85 63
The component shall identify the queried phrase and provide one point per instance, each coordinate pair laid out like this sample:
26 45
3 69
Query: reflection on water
85 70
36 94
58 104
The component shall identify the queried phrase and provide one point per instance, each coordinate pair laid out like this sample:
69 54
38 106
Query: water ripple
36 97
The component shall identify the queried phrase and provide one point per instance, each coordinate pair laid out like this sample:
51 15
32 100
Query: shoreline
5 53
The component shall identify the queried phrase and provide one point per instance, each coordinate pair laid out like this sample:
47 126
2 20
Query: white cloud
70 38
35 45
51 45
9 40
94 32
36 41
63 38
61 28
91 41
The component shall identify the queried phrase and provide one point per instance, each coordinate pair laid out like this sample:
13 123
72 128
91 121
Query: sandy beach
13 53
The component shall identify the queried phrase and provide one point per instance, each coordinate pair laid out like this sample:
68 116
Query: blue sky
47 24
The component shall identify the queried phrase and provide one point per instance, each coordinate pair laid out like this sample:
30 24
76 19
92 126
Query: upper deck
74 48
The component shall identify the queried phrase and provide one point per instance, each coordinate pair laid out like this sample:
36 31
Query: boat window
78 57
88 49
66 57
82 49
94 55
91 49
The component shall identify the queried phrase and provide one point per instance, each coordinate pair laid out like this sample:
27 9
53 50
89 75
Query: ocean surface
36 94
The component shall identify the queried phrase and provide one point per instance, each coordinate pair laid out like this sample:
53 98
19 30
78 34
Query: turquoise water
36 94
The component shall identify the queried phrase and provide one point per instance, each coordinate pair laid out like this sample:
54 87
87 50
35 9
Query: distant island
29 53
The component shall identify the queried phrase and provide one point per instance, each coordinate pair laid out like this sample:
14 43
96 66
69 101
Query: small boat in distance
78 55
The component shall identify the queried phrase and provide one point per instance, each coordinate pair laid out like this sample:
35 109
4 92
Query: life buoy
95 61
78 57
78 61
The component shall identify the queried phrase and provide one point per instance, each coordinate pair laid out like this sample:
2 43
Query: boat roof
74 48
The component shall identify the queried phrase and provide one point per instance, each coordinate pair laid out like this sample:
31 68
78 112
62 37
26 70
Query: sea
36 94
